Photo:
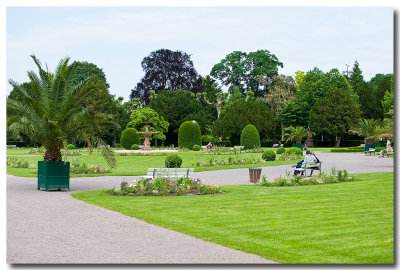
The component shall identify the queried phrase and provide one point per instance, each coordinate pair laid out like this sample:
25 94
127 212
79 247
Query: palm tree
367 128
295 134
52 111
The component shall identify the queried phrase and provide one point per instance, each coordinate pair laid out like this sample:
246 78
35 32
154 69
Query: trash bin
255 174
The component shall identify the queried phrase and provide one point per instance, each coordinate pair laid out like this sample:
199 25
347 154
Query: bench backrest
312 164
169 172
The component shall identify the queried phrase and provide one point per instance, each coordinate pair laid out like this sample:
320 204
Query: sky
117 39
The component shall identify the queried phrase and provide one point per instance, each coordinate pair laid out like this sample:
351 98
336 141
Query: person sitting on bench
308 158
387 150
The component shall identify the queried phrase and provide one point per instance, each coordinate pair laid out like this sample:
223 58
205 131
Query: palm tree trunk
52 156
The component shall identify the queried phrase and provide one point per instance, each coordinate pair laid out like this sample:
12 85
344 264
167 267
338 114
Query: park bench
240 147
309 166
370 151
276 145
154 173
11 146
388 154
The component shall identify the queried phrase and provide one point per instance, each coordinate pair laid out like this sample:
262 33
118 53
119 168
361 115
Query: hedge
250 138
269 155
189 132
173 161
129 137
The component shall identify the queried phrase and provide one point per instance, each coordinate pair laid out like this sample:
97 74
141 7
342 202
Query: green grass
344 223
138 165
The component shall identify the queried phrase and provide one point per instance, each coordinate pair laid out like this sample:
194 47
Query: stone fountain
146 134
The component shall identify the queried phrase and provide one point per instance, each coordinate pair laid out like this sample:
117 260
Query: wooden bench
169 172
309 166
370 151
240 147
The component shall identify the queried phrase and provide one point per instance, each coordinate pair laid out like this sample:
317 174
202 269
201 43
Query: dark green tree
334 114
85 69
241 69
294 114
179 106
231 122
371 106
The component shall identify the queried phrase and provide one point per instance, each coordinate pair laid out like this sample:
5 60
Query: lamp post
194 134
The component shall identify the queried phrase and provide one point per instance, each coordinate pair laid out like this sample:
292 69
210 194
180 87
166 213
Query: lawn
343 223
138 165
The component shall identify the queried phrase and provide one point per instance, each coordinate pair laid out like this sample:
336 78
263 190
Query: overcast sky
117 39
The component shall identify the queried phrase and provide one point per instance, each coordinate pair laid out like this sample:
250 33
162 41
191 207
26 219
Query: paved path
52 227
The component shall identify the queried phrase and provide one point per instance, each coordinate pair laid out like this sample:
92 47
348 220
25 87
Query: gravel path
52 227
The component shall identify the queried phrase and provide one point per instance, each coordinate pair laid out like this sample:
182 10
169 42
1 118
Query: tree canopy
166 70
158 124
316 84
241 69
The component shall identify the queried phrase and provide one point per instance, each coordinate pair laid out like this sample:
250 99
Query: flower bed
164 187
230 151
238 161
78 168
17 163
321 178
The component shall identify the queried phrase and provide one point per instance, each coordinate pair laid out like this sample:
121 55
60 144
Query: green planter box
53 175
298 145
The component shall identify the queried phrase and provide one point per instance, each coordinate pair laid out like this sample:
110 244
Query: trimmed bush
269 155
196 147
173 161
294 151
280 150
70 147
189 135
129 137
135 146
250 138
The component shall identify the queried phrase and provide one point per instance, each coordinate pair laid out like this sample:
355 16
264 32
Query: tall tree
371 106
334 114
241 69
167 70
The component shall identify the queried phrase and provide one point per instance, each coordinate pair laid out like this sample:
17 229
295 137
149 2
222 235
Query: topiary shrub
294 151
70 147
280 150
173 161
250 138
129 137
196 147
269 155
135 146
189 135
